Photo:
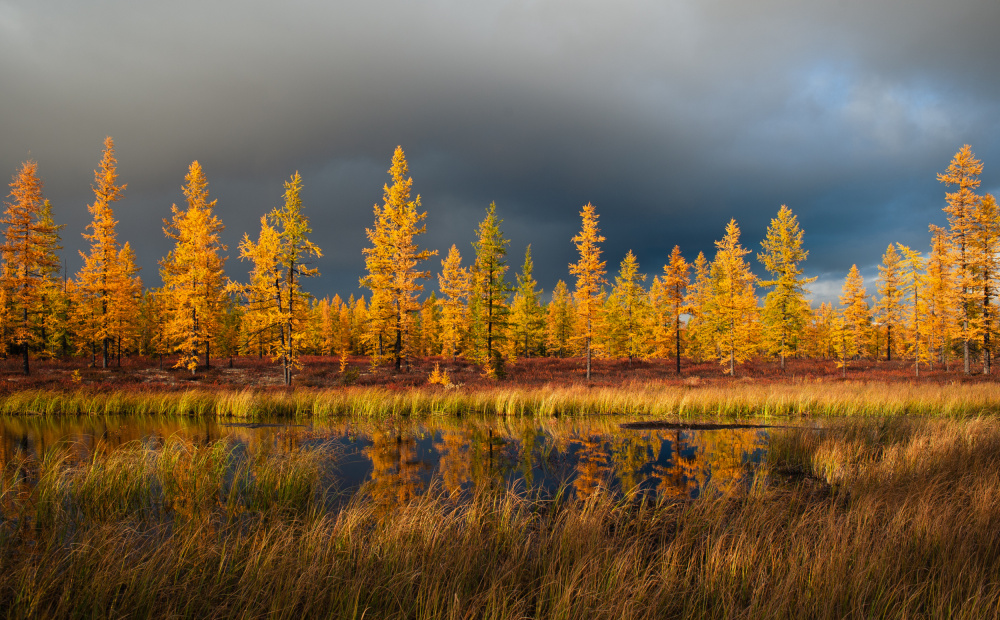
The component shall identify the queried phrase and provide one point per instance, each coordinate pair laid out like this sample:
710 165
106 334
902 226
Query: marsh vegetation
877 516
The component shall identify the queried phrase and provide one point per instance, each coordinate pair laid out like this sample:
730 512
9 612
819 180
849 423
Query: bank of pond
500 517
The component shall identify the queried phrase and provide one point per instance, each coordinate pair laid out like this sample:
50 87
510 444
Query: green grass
888 517
732 400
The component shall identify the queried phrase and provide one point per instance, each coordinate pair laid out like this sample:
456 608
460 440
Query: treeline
931 309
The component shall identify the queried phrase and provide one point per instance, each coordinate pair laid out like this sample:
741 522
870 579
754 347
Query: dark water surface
399 459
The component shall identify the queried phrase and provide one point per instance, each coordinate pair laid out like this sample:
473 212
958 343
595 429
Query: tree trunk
888 343
986 329
677 340
397 348
24 347
194 334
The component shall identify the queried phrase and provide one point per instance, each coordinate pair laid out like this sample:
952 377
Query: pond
396 460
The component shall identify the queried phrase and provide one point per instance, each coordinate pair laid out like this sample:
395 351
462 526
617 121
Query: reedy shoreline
726 400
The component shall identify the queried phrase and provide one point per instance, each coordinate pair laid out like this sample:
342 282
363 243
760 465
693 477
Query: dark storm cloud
671 117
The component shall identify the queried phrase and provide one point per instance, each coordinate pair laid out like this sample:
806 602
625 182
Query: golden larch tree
963 172
100 284
393 258
589 272
54 320
294 252
785 310
627 310
856 314
194 284
559 315
735 299
124 315
28 255
260 311
915 291
455 287
984 248
526 320
675 282
700 305
943 301
276 305
489 311
889 309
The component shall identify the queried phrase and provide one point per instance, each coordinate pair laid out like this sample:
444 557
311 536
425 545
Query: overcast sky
671 117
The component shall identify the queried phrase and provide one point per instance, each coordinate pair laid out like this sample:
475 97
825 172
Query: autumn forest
932 306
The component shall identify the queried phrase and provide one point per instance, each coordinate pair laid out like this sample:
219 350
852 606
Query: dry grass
873 517
731 400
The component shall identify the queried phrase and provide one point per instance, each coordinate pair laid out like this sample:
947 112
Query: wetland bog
498 517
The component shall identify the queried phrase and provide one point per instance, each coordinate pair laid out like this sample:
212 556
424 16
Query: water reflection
393 461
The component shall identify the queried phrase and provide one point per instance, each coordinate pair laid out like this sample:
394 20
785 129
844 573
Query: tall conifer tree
589 272
856 314
392 261
785 309
28 256
99 282
735 299
963 172
526 319
194 285
455 287
488 307
889 308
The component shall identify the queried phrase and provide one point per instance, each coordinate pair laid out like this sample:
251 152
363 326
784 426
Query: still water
396 460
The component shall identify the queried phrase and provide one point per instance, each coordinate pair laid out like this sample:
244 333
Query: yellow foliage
194 286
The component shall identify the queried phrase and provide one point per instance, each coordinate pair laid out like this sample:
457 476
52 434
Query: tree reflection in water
394 461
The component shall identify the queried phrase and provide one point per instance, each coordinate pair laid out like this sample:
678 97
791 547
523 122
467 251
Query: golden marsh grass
889 517
729 400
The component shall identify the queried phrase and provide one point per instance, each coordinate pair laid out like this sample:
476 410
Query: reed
888 517
728 400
